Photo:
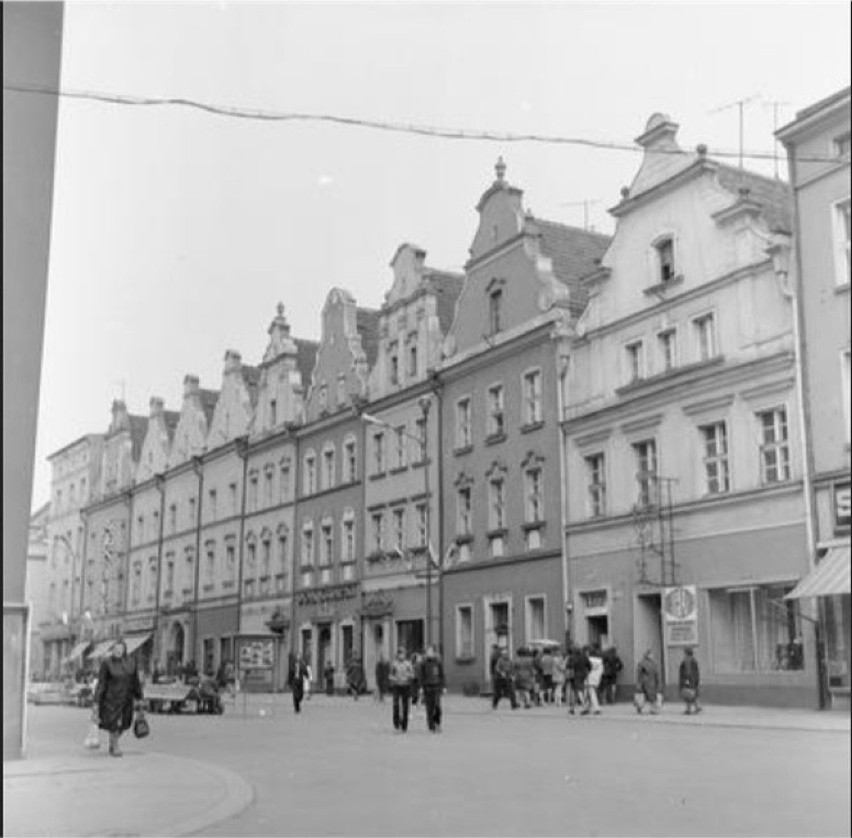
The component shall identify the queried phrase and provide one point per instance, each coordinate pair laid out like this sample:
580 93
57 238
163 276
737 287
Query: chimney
233 361
119 414
156 406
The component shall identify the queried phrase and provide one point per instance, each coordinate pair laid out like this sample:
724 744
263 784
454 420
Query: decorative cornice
709 405
769 389
643 424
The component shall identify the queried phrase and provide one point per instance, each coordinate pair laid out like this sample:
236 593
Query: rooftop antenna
776 106
585 204
739 104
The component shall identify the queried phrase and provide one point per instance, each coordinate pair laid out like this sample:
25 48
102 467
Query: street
339 768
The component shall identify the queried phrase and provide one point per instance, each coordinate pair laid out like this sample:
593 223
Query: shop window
464 631
755 630
535 622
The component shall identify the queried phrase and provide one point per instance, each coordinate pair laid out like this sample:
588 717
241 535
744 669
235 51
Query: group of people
408 679
580 677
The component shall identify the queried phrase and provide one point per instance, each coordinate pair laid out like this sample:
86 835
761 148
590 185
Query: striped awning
829 578
134 641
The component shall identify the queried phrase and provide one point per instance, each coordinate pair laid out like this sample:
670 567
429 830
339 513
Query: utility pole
585 204
740 105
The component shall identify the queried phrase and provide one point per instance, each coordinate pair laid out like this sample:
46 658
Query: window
283 565
464 631
348 539
307 544
173 518
135 587
496 515
774 446
533 501
152 578
412 361
273 413
843 145
210 566
170 575
665 260
400 436
189 572
705 336
350 463
211 497
323 398
378 453
422 510
399 529
285 485
842 229
755 630
191 512
266 559
532 397
667 342
155 525
253 494
846 390
328 468
393 366
420 433
464 438
310 473
341 391
535 621
645 456
635 359
232 491
464 517
268 479
495 311
596 484
377 533
495 425
230 561
716 469
326 544
140 527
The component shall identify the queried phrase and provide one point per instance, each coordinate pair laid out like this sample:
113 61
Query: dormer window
665 260
495 310
843 145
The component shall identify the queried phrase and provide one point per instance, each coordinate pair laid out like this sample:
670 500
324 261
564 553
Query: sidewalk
141 794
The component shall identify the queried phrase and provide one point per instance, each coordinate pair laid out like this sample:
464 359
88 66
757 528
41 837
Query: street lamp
425 406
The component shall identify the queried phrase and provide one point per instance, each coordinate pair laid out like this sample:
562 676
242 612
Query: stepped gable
774 196
447 287
367 323
306 358
575 253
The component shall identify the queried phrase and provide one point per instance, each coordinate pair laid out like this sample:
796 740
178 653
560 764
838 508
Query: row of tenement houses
582 436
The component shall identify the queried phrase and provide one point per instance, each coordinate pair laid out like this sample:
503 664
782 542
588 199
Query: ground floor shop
215 627
264 645
503 604
722 593
328 630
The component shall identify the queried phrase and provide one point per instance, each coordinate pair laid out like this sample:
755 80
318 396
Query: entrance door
373 651
307 645
497 632
347 644
648 630
323 652
209 655
597 630
409 636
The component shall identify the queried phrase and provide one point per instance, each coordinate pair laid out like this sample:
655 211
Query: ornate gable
190 437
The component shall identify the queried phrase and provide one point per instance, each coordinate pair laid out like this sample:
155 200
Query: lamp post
425 403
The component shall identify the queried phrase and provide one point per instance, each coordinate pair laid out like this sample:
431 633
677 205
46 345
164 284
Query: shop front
268 621
216 627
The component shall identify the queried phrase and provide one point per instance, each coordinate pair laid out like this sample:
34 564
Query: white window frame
496 410
528 601
398 528
307 546
699 331
782 447
464 511
534 477
634 360
533 400
329 455
422 510
347 536
379 454
377 530
645 480
841 242
846 390
310 472
721 460
464 422
326 545
400 433
595 489
671 332
350 459
461 652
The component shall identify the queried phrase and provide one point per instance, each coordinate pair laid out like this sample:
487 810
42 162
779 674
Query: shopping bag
140 726
92 740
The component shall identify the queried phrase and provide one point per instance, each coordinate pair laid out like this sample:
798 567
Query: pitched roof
447 287
138 432
775 196
575 252
208 403
368 329
306 358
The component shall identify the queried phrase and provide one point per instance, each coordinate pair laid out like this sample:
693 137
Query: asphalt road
340 769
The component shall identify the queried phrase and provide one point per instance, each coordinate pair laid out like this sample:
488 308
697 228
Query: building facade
822 288
685 517
37 587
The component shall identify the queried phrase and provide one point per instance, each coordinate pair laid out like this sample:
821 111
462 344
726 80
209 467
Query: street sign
680 608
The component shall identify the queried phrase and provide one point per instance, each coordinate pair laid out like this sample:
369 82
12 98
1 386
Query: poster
680 609
255 653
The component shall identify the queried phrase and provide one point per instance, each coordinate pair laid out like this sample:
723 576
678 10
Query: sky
176 232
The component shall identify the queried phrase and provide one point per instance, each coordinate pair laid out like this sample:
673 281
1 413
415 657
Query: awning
133 642
828 578
77 652
102 649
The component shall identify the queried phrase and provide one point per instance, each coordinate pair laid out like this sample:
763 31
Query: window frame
701 330
464 422
596 494
720 460
646 477
783 446
496 412
634 358
668 364
462 652
841 229
533 402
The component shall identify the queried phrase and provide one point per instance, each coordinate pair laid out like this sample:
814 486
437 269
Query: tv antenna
585 204
776 106
740 105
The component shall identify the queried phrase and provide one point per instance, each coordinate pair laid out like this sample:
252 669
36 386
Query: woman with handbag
688 680
118 694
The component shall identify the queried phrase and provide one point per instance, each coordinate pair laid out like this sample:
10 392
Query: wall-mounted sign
680 609
842 505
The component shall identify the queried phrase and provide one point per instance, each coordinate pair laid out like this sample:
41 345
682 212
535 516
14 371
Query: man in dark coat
355 676
296 680
612 665
118 693
401 676
580 666
688 681
647 684
328 674
504 681
433 682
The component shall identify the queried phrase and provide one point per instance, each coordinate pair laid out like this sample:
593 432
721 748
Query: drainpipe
294 539
242 453
198 468
437 389
160 482
84 514
562 361
128 502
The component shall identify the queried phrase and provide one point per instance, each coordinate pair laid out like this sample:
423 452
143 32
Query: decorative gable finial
500 169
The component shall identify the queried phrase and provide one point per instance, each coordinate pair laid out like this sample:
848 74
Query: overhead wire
258 114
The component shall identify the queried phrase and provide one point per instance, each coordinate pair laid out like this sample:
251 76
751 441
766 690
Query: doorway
324 652
597 631
347 644
307 645
498 632
409 636
648 631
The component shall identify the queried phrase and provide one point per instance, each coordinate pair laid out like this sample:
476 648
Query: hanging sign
680 611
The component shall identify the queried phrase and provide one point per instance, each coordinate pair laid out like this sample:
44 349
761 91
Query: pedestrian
401 675
434 683
647 684
416 659
355 677
308 680
546 663
579 666
382 678
298 673
504 681
118 694
495 656
524 673
688 681
612 666
558 677
328 674
593 680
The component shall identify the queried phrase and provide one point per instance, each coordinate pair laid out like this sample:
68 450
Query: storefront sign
327 596
842 505
680 607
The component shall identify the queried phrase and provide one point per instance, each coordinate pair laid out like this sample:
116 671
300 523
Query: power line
381 125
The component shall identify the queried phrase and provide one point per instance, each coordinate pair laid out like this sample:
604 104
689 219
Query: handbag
688 694
92 740
140 726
